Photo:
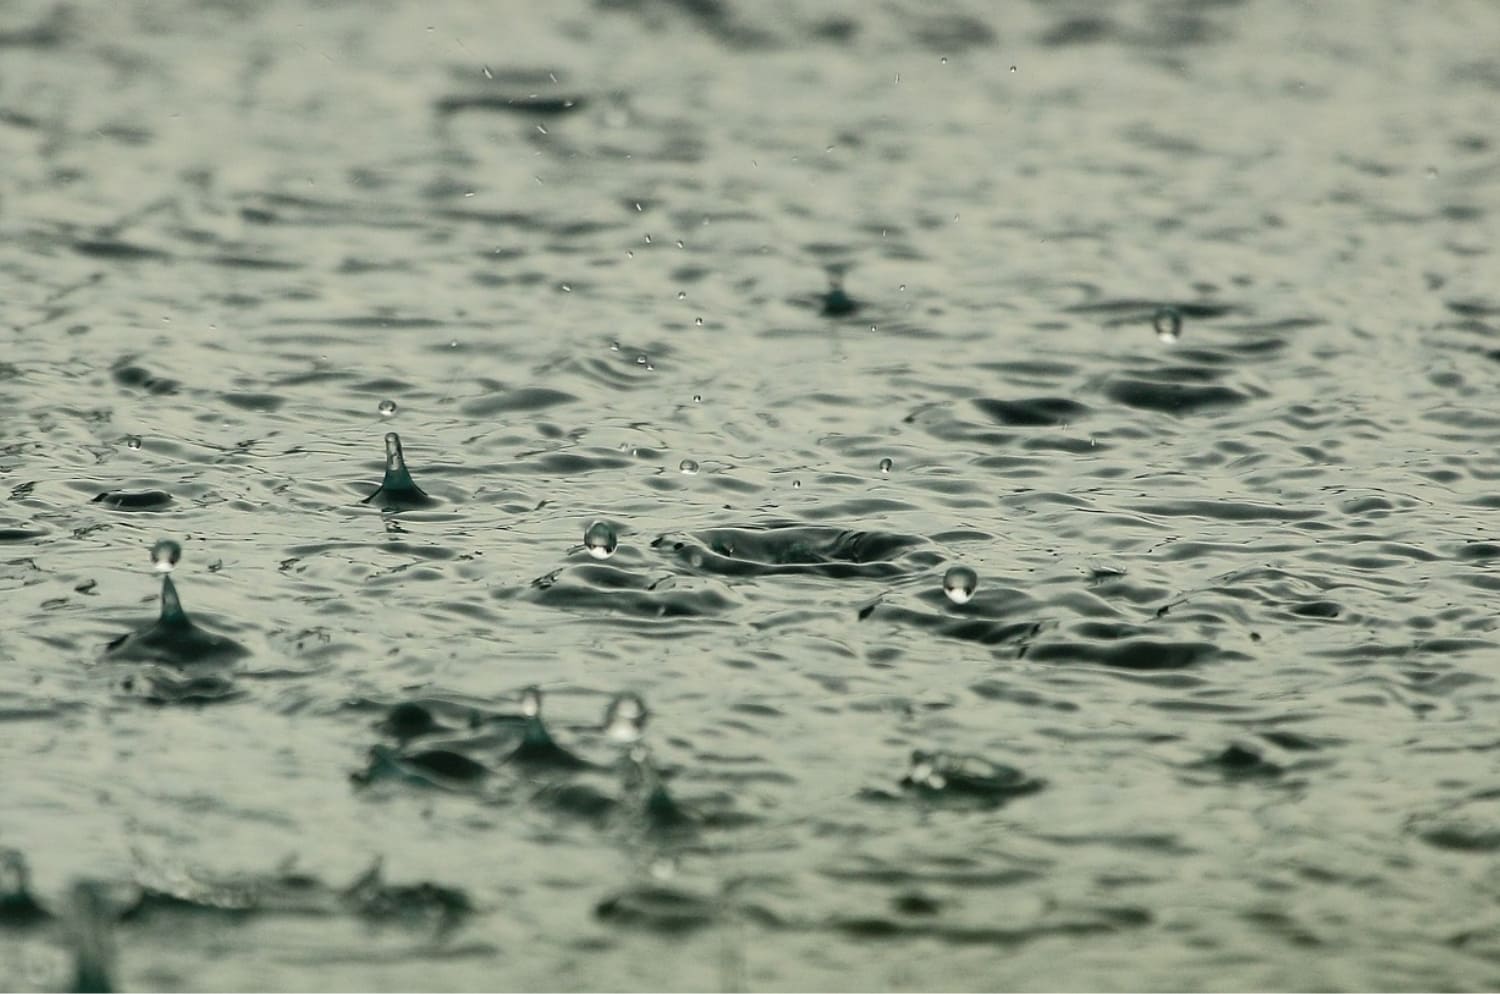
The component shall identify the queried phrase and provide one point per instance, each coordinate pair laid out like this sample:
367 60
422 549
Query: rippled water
809 304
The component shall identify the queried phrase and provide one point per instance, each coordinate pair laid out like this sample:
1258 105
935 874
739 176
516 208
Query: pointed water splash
90 928
17 906
537 747
625 722
173 638
398 490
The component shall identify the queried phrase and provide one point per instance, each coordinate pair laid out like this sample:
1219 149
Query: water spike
171 607
90 921
537 747
398 489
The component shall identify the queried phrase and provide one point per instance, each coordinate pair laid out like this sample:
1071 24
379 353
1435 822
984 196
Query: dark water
1220 714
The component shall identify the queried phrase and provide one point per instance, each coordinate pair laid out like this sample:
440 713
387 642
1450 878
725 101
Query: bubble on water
387 408
625 718
886 465
1168 324
531 702
133 442
688 467
959 584
600 540
165 554
663 868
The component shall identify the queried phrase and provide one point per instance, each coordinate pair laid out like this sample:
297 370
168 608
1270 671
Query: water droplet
641 360
944 60
679 243
886 465
387 408
682 295
165 554
625 718
697 398
1012 68
959 583
698 322
132 441
565 287
600 541
1168 324
614 346
531 702
487 73
1432 172
688 467
796 484
648 239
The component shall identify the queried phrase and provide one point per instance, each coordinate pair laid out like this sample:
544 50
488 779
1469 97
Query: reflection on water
1036 463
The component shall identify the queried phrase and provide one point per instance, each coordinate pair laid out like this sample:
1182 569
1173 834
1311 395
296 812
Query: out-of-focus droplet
697 398
641 359
682 295
625 718
1012 68
531 702
165 555
1168 324
688 467
796 484
487 73
600 540
387 408
886 465
959 584
132 441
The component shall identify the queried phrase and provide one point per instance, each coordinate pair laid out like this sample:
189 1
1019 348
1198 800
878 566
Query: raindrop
959 583
679 243
487 73
1168 324
796 484
698 322
1012 68
886 465
132 441
600 541
944 60
697 398
648 239
688 467
531 702
625 718
565 287
614 346
387 408
682 295
165 554
641 360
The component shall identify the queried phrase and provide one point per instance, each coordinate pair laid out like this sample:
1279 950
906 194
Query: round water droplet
387 408
165 554
959 584
600 541
625 718
698 322
796 484
1168 324
641 360
1012 68
886 465
697 398
132 441
688 467
682 295
531 702
614 346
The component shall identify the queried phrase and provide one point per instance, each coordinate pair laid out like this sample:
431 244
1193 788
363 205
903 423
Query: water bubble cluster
959 583
600 540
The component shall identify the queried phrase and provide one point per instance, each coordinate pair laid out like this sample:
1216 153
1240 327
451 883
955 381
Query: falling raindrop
682 295
614 346
165 554
959 584
625 718
796 484
698 322
132 441
641 360
600 540
531 702
886 465
387 408
697 398
688 467
1168 324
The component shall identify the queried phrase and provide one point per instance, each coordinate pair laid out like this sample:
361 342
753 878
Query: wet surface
1046 465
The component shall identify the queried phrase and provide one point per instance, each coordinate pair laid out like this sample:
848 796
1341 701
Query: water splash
174 638
688 467
538 748
90 918
625 718
398 490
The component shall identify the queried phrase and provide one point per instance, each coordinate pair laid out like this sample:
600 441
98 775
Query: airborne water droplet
165 554
625 718
682 295
886 465
531 702
614 346
688 467
600 540
641 360
1168 324
698 322
959 584
387 408
133 441
697 398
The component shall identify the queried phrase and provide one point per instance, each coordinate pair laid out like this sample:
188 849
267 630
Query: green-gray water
1178 323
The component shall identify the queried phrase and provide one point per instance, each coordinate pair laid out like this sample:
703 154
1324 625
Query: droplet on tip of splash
688 467
1168 324
387 408
600 540
625 718
165 555
531 702
959 583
